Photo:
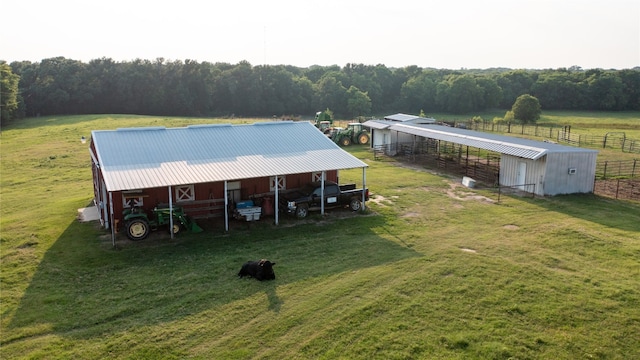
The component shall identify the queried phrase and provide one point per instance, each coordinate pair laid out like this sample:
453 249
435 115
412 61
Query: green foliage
8 92
358 102
526 109
190 88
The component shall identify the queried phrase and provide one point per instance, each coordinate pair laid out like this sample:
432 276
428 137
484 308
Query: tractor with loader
138 224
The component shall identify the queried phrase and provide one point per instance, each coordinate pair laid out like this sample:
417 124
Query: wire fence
618 179
560 134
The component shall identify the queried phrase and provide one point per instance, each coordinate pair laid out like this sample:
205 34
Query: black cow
261 270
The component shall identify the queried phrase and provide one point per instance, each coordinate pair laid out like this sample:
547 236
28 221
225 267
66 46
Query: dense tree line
190 88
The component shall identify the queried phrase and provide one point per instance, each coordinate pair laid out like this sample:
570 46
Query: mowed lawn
431 270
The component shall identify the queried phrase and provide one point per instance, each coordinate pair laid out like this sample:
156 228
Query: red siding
209 197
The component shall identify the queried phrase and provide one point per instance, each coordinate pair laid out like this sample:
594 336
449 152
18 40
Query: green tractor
354 133
138 224
324 122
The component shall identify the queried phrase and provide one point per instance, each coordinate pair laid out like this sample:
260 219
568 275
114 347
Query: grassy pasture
432 270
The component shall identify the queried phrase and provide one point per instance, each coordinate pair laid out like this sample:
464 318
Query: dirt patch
380 200
511 227
460 192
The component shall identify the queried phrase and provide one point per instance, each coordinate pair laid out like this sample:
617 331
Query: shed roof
400 117
137 158
525 148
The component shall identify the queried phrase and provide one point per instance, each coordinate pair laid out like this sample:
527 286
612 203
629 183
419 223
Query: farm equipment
138 224
324 122
354 133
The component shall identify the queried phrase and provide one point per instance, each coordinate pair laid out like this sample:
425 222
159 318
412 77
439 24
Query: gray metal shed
549 168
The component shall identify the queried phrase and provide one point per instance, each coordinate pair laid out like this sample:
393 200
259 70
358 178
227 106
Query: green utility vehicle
354 133
138 224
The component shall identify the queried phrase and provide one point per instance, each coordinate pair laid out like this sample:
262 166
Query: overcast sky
447 34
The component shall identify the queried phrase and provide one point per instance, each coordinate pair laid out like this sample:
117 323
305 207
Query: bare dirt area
628 189
460 192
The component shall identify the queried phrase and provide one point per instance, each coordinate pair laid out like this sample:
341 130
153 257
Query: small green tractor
354 133
138 224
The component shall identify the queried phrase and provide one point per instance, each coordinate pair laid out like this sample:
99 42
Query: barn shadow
84 287
593 208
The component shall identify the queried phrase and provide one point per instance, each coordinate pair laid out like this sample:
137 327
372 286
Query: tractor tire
137 229
363 138
177 226
302 211
355 204
345 141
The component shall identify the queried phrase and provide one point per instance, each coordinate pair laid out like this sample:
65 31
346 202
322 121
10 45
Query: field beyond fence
561 134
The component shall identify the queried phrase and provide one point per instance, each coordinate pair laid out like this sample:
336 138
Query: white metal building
534 166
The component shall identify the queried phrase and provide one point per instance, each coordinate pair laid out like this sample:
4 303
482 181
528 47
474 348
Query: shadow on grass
619 214
83 287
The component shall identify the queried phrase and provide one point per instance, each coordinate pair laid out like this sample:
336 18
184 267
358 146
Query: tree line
57 86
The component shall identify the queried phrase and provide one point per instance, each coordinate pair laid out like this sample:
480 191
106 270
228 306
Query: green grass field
431 270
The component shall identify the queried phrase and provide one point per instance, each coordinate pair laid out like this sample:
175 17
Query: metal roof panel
157 157
509 145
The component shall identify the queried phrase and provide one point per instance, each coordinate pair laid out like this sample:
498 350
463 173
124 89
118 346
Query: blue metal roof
137 158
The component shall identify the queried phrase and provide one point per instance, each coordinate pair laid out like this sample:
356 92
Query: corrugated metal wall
534 174
551 174
559 179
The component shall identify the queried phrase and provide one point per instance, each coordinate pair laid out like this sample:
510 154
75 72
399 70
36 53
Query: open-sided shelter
381 134
538 167
205 168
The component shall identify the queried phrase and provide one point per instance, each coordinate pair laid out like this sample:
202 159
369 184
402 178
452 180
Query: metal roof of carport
525 148
138 158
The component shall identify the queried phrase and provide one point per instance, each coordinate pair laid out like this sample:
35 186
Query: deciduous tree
526 109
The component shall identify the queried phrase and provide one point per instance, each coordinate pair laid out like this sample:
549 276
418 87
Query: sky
447 34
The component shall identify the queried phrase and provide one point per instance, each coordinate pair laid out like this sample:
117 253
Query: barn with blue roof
207 168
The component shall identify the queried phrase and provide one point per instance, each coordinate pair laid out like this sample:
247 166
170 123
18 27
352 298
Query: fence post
604 175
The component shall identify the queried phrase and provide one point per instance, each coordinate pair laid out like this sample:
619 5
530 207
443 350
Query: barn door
521 174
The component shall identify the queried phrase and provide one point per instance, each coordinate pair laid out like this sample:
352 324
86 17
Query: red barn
204 168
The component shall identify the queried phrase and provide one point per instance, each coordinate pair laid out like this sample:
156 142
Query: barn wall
535 173
560 181
208 197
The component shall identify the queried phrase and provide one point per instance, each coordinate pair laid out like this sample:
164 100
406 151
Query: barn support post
364 186
113 228
226 207
277 201
322 177
170 212
103 204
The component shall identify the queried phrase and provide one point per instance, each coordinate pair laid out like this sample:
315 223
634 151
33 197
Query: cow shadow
85 287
